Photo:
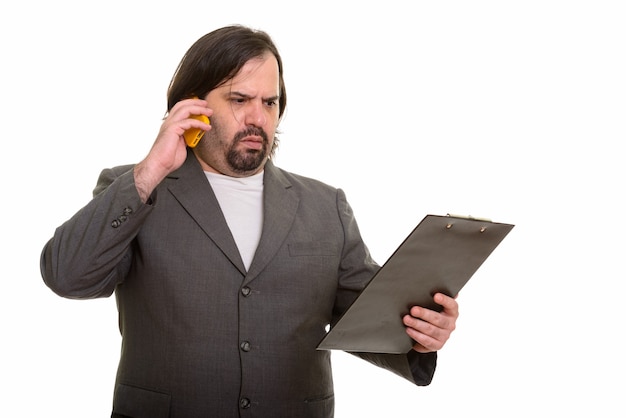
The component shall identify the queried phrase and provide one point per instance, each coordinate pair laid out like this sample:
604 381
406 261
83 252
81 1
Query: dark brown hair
216 58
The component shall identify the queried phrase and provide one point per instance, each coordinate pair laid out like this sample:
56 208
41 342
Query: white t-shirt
241 201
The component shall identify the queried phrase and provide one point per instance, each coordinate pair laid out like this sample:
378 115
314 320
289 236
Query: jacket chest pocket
313 248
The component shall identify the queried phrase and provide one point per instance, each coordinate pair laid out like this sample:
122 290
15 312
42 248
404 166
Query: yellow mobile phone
194 135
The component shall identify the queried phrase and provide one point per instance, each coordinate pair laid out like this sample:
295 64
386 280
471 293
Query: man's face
244 121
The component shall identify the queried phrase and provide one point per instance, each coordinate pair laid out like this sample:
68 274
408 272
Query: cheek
273 122
219 129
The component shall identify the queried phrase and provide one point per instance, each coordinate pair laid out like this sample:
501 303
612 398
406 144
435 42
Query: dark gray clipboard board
440 255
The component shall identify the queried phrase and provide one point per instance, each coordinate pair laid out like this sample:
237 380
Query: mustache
251 131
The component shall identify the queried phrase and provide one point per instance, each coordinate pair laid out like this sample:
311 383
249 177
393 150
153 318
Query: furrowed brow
248 96
240 94
272 99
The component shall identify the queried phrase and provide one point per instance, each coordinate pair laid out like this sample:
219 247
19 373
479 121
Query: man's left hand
430 329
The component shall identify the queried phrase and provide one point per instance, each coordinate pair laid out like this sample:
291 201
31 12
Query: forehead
258 75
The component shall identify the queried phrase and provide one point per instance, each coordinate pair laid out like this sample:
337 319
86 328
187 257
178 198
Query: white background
512 110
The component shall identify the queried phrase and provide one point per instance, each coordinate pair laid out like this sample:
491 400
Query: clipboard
440 255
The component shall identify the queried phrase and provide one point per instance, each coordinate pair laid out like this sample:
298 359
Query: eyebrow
247 96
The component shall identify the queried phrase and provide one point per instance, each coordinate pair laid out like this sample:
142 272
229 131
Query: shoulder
298 181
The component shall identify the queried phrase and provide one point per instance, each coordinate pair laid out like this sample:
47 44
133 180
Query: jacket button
116 223
245 346
246 291
244 403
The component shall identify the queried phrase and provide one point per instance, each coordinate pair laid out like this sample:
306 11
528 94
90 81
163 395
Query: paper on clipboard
440 255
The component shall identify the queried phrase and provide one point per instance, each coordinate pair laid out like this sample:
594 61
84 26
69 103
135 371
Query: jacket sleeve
356 270
90 253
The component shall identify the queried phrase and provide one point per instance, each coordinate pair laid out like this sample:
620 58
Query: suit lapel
280 204
196 196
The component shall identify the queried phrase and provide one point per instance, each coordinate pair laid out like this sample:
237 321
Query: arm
357 268
91 252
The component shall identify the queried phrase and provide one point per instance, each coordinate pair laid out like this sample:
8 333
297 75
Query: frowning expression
244 121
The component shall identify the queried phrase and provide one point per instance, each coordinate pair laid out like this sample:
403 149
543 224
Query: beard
243 161
230 157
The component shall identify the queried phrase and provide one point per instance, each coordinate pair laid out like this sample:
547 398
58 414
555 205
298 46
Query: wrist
146 180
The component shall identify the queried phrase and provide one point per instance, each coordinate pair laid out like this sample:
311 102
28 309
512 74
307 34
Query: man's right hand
169 149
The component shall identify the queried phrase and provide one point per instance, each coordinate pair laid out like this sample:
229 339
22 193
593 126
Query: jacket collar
191 188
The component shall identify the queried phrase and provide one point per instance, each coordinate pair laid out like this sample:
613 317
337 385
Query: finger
191 116
439 330
448 303
188 107
444 319
424 342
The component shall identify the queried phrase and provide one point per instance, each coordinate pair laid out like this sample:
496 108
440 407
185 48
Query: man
226 269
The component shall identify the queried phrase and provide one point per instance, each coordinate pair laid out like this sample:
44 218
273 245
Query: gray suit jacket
201 336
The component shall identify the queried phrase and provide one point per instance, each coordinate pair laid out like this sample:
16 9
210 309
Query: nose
255 114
